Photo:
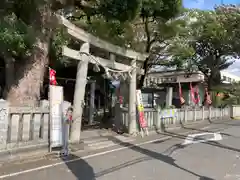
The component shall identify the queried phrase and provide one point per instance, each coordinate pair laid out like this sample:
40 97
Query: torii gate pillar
132 100
78 102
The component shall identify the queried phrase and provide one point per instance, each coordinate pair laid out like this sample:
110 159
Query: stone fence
158 119
28 128
235 112
23 128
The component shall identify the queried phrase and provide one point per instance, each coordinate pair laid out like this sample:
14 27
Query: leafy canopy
209 41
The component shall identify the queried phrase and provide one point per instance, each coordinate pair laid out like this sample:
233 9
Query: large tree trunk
142 78
147 50
26 91
9 74
29 78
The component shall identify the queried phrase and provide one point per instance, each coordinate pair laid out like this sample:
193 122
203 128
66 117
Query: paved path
157 158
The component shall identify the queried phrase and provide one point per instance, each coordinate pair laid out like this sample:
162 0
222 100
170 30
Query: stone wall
23 127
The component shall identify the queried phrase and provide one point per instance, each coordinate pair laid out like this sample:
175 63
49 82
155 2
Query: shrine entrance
98 98
115 62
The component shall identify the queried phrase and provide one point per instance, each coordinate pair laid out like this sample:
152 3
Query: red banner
142 121
182 101
52 77
207 97
194 94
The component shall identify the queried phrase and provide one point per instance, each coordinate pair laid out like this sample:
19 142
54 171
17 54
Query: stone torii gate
84 57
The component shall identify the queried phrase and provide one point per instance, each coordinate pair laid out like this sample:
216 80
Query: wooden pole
78 103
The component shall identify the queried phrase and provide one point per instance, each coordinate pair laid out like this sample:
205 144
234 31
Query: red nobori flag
208 98
194 94
52 77
182 101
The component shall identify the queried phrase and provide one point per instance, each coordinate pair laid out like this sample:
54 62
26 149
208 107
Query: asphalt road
159 158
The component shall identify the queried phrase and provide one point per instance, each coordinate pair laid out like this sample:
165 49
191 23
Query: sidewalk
104 142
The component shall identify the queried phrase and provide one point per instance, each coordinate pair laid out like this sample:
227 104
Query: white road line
86 157
190 138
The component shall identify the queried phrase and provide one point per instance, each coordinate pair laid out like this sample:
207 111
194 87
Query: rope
109 69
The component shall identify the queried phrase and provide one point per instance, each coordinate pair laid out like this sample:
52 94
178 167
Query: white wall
227 77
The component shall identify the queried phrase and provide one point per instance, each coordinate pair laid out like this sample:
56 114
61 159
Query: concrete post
189 98
78 103
210 113
194 114
169 96
158 120
203 113
92 102
132 100
185 115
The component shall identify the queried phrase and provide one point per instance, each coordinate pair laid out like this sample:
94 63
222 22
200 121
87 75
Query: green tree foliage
137 24
210 41
16 38
117 20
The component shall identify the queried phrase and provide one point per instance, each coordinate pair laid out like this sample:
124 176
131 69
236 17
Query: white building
228 78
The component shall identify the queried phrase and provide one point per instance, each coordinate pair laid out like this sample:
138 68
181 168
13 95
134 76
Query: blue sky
207 4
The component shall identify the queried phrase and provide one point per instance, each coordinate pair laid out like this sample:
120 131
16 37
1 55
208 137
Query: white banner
56 115
139 98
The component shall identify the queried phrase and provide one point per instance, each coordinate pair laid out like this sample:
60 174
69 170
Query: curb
23 153
236 118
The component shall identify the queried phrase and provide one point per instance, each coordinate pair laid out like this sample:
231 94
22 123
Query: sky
208 5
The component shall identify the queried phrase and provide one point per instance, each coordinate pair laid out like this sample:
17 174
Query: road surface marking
190 138
84 157
87 157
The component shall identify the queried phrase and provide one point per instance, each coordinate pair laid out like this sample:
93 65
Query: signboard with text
168 113
140 108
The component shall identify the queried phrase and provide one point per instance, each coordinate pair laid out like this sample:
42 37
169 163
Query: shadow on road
164 158
79 168
83 171
124 165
